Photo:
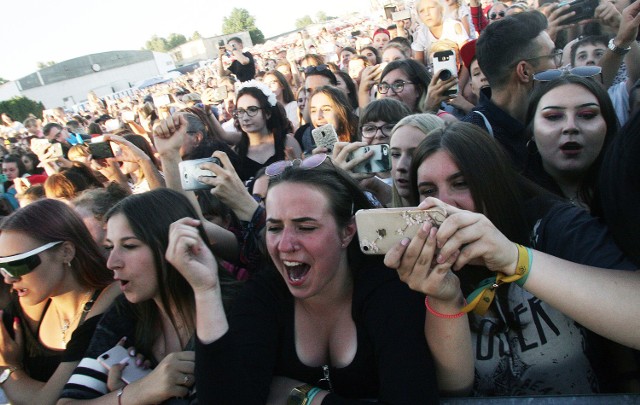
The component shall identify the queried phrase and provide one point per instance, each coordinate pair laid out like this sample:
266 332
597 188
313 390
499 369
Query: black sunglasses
493 16
313 69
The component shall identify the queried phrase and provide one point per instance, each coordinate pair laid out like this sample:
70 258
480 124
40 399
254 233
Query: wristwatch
298 395
4 376
616 49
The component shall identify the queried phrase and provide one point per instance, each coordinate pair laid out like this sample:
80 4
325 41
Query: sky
42 31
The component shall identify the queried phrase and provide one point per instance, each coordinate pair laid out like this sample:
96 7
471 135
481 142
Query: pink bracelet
438 314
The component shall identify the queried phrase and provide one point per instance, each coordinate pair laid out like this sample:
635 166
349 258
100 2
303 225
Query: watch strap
616 49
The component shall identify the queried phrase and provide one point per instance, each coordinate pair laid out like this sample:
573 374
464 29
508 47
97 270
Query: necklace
65 324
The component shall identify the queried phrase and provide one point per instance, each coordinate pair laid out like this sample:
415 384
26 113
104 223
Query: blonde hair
425 123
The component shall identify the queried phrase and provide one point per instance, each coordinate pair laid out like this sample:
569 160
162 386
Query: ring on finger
186 379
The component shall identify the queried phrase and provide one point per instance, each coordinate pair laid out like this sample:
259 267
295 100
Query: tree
303 22
241 20
3 80
157 44
42 65
196 35
175 40
20 107
322 16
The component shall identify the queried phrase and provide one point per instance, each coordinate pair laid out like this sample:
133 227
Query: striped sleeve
89 380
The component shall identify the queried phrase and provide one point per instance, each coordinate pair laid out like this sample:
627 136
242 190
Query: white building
67 83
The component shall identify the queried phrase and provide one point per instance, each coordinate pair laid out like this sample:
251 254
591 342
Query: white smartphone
445 63
381 229
378 163
190 171
116 355
325 137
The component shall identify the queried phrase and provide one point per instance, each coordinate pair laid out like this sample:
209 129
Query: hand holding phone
190 171
119 355
378 162
325 137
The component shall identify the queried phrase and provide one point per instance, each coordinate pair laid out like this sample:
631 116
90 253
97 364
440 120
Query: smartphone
190 171
401 15
112 125
221 43
584 10
445 63
379 162
325 137
220 93
162 100
101 150
116 355
128 116
381 229
57 149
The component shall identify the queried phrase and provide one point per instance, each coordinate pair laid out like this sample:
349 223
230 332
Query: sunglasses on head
581 71
18 265
277 168
313 69
500 14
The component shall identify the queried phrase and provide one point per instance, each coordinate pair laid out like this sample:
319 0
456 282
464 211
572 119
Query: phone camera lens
106 356
445 74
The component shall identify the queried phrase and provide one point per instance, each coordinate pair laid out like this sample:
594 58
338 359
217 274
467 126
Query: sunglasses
313 69
277 168
581 71
500 14
18 265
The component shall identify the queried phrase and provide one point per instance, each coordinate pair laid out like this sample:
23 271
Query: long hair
343 193
277 122
150 215
351 87
424 123
347 125
287 93
417 74
50 220
534 167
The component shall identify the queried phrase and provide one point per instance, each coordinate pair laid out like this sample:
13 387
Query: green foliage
322 16
157 44
196 35
3 80
175 40
303 22
42 65
240 20
20 107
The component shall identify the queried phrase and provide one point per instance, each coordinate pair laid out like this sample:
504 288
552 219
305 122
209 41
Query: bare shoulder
105 299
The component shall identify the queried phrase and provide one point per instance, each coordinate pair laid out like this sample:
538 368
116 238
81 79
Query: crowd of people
196 241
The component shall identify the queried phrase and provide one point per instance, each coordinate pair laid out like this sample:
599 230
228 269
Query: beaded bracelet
438 314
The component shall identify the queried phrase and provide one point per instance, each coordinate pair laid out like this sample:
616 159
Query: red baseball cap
468 53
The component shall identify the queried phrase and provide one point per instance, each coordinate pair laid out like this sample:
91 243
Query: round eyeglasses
370 130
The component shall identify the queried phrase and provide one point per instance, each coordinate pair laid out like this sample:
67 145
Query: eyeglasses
556 55
18 265
397 86
250 111
500 14
316 68
581 71
370 130
313 161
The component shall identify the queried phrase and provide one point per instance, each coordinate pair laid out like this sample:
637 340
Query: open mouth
296 271
571 147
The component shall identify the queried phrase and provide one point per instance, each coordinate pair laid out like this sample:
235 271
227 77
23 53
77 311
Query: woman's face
10 169
376 132
371 57
304 241
28 163
272 82
322 111
346 57
439 176
255 124
403 142
44 281
569 130
380 40
430 13
131 261
408 95
391 54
